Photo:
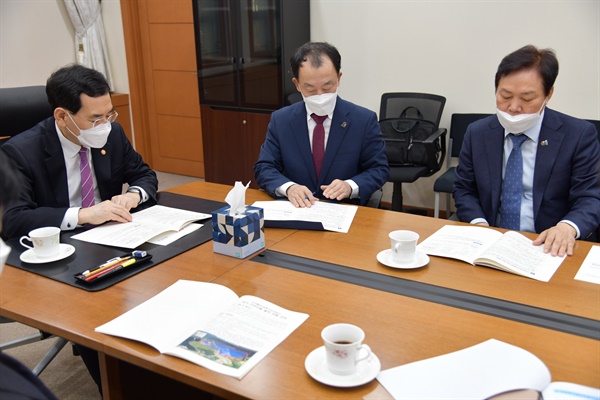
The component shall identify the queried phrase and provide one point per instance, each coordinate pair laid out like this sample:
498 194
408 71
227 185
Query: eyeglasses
107 118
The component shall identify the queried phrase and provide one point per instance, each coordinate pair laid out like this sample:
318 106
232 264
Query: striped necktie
318 147
87 184
512 186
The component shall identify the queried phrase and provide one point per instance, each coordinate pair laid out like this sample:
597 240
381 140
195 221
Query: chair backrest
596 123
22 108
430 105
458 127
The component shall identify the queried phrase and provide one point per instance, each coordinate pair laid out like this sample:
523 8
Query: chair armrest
435 163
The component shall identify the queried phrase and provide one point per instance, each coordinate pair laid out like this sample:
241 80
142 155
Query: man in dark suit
324 146
558 195
48 156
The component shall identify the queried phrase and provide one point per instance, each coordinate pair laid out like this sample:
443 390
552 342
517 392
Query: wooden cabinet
243 48
120 102
234 139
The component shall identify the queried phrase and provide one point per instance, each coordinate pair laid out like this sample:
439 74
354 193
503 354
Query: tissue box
239 235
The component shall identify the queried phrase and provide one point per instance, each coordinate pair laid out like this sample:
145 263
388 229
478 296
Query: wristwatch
138 191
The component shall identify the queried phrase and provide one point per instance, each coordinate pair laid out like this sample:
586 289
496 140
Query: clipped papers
334 217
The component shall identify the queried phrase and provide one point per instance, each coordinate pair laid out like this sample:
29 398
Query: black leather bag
405 139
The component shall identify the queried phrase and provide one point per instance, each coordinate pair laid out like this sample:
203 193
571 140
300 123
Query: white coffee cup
404 246
45 241
344 348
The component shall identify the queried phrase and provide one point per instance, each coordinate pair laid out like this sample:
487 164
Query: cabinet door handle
242 60
233 60
244 122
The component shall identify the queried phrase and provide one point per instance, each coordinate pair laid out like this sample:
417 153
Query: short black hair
528 57
65 86
10 180
314 52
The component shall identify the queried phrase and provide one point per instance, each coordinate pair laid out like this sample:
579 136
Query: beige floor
67 376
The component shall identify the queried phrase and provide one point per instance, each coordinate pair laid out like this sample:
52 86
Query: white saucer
385 257
64 251
316 366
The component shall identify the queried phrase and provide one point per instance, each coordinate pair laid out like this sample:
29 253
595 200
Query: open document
510 252
157 224
207 324
478 372
590 269
333 216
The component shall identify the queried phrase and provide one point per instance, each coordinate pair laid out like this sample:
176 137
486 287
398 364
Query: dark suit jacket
566 183
45 198
355 150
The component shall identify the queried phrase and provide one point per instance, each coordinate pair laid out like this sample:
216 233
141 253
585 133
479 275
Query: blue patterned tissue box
239 235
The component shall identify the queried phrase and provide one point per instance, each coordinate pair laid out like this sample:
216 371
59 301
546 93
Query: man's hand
105 211
338 190
128 200
300 196
482 223
558 239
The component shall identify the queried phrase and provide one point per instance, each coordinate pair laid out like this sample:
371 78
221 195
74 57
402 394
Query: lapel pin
103 152
544 143
344 124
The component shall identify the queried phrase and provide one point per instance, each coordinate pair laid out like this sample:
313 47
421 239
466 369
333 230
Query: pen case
129 260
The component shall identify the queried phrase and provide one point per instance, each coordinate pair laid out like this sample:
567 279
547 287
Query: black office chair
20 109
445 183
431 107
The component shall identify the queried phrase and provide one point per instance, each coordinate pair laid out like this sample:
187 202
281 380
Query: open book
482 371
157 224
208 324
510 252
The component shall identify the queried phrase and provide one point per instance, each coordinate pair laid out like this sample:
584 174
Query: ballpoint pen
107 264
109 270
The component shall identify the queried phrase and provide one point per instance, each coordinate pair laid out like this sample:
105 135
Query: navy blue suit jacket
566 183
45 198
355 150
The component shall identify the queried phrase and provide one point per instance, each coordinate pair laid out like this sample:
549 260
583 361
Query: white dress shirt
72 161
282 190
529 152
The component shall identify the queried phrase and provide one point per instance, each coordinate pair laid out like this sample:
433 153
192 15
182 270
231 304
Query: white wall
37 37
452 48
446 47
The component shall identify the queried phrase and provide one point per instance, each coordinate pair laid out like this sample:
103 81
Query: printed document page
477 372
206 324
145 225
590 269
464 243
334 217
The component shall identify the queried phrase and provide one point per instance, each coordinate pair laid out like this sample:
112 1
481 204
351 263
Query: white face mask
519 123
95 137
322 104
4 252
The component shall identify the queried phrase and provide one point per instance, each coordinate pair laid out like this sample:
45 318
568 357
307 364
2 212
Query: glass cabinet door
260 50
217 54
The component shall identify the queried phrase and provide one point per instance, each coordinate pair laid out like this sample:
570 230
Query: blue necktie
512 186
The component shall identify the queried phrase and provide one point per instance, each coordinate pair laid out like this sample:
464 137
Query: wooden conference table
407 315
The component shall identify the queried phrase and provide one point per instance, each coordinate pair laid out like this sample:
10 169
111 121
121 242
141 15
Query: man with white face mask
324 146
75 163
528 167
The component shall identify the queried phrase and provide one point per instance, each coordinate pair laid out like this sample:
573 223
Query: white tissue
236 198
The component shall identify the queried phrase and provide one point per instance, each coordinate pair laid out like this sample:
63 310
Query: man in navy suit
48 157
560 188
345 161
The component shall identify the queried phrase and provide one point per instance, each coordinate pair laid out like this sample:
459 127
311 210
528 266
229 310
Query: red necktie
87 184
318 146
